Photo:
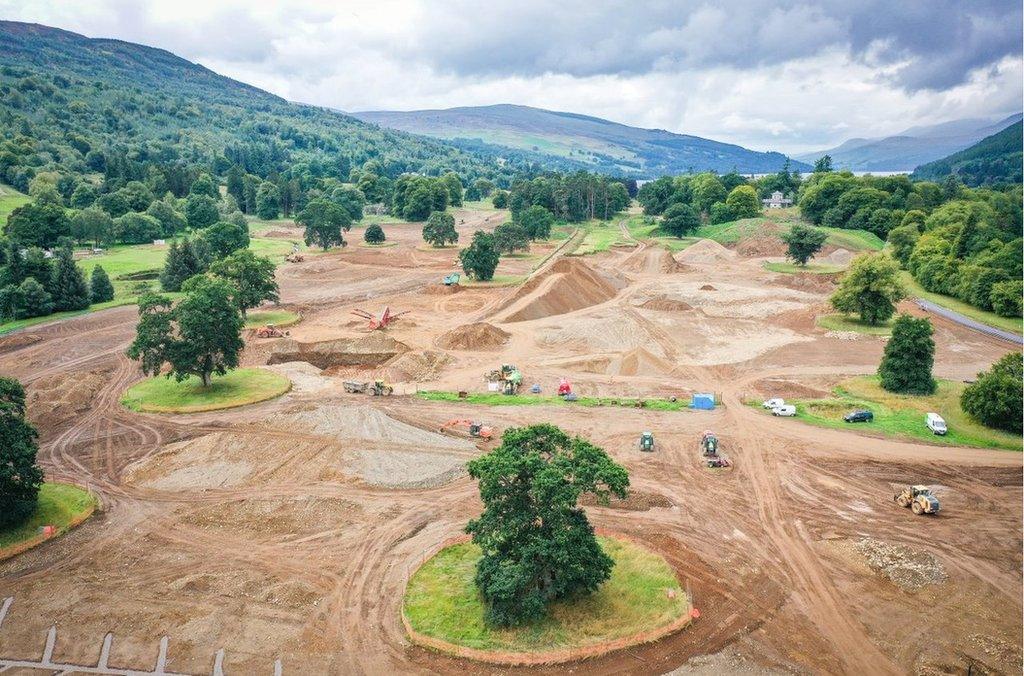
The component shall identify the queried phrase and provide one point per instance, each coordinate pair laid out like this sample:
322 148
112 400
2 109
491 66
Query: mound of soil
639 362
790 389
636 501
18 340
708 287
568 286
837 257
907 567
653 260
441 289
476 336
666 304
56 399
705 251
373 349
414 367
760 246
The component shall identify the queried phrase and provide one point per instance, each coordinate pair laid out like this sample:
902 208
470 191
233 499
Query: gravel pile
908 568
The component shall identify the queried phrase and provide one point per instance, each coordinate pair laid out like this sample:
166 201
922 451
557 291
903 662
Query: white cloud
791 76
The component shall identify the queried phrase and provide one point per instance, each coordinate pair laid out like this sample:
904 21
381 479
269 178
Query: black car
859 416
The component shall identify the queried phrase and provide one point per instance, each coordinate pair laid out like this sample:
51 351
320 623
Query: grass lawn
279 318
441 601
498 399
10 199
901 415
1014 324
381 245
238 388
810 268
844 322
59 505
478 205
601 236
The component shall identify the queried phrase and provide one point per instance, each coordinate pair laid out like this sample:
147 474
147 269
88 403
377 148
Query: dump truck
378 388
647 442
918 498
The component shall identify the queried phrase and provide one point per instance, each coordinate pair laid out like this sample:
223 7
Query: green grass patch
59 505
1014 324
278 318
441 601
902 416
10 199
600 236
845 323
238 388
479 205
498 399
811 268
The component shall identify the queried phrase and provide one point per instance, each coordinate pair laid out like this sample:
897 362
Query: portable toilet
703 401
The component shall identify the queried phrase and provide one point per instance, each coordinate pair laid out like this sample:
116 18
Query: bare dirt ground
286 530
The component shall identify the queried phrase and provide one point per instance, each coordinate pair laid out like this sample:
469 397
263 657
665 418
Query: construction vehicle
564 387
918 498
452 279
507 380
270 331
381 321
295 257
378 388
647 442
475 429
717 461
709 444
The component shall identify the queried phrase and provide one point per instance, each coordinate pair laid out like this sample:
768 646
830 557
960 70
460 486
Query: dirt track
287 529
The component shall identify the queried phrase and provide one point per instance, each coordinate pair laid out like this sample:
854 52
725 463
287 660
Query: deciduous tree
374 234
995 398
870 288
743 202
680 219
802 242
537 543
252 275
439 229
480 258
511 237
537 221
324 221
20 476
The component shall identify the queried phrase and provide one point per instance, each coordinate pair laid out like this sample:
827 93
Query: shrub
374 234
995 399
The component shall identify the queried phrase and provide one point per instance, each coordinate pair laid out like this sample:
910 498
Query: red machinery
564 387
380 322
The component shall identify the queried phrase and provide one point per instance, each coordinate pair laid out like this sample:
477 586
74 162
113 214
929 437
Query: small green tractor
647 442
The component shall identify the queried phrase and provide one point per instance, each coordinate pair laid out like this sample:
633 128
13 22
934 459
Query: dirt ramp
415 367
373 349
705 251
476 336
568 286
639 362
652 260
664 303
441 289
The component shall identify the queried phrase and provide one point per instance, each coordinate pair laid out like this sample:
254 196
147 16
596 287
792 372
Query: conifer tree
182 262
101 288
67 283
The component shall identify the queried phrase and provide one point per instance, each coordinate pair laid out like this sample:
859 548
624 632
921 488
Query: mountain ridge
608 145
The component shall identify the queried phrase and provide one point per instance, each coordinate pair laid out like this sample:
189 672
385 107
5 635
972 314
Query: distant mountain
911 147
589 141
993 160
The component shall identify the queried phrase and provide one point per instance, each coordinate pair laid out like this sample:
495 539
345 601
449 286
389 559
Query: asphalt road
1009 336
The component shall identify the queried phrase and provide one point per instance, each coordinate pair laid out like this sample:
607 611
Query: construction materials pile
373 349
475 336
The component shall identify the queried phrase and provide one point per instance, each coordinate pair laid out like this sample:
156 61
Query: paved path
929 306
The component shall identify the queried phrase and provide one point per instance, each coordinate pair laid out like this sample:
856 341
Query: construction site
806 549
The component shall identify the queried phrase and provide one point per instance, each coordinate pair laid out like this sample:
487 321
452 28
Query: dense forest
993 161
960 241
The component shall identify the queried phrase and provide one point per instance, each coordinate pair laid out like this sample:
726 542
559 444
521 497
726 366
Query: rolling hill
911 147
73 105
996 159
589 141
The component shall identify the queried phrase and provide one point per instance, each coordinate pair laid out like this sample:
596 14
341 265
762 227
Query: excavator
475 429
918 498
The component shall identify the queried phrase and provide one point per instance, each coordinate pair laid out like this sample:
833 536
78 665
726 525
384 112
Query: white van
786 410
774 402
935 423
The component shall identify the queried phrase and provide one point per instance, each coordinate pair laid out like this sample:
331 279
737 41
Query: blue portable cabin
703 401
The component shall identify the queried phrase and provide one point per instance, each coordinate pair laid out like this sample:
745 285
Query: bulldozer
295 257
647 442
508 378
918 498
378 388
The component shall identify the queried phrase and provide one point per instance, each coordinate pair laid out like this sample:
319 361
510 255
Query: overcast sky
789 76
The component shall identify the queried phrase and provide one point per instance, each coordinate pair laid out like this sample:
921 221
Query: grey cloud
940 41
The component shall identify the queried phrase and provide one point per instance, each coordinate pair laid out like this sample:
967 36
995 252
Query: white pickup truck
772 403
